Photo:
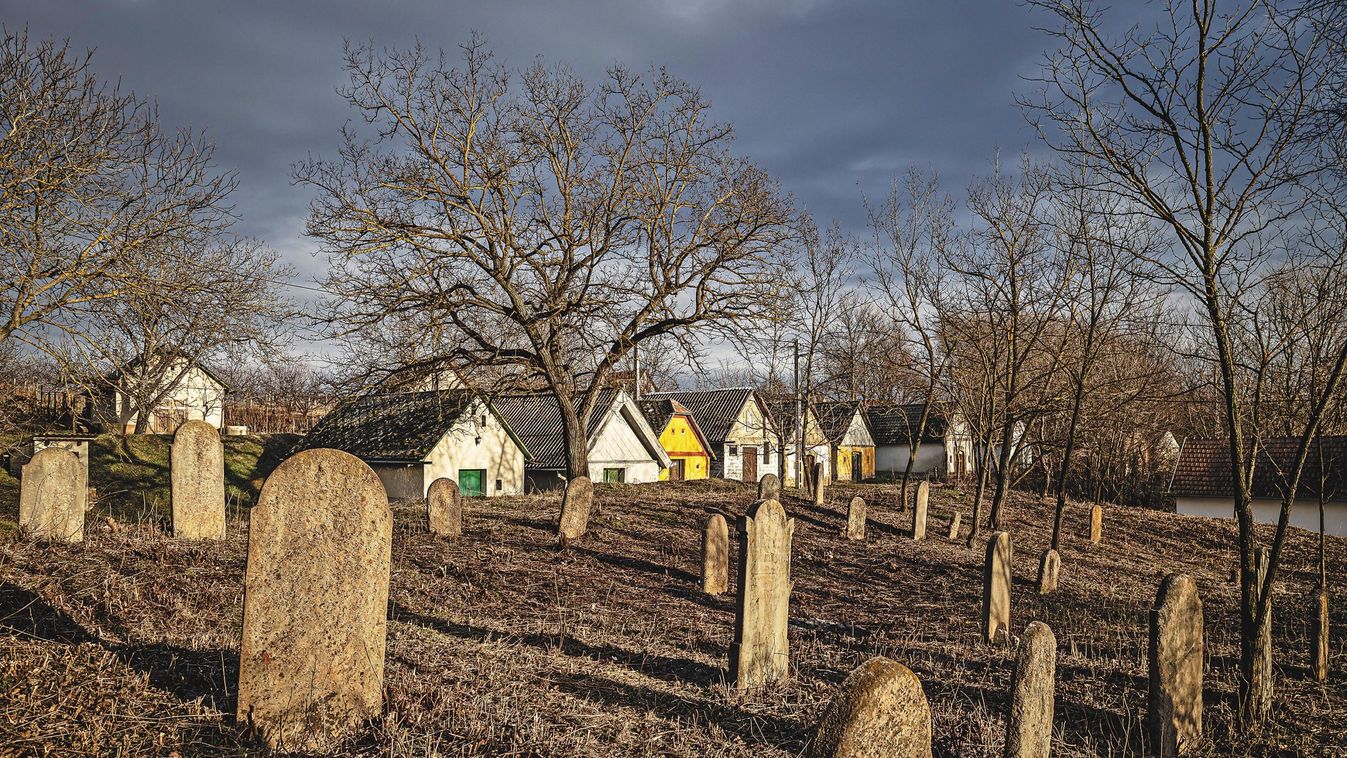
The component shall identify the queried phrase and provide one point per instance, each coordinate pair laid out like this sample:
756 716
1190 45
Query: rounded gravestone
769 487
1049 566
760 653
819 486
996 576
444 508
575 507
315 602
881 712
715 555
1174 705
856 519
53 496
196 468
1029 728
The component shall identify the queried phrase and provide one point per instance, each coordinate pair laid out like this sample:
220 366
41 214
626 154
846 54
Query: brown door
750 464
857 464
676 470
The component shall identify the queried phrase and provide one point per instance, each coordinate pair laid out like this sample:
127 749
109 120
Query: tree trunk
980 492
1256 659
1002 472
1067 452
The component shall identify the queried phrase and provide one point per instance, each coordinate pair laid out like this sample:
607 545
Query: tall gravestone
996 575
1174 705
1049 566
575 507
760 653
315 602
881 712
819 486
769 487
1096 523
715 555
1029 728
954 526
444 508
196 468
856 519
53 496
919 512
1319 638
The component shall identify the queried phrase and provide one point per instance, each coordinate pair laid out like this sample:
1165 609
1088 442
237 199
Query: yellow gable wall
680 441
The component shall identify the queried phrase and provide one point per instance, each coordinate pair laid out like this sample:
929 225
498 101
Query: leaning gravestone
715 555
1029 728
881 712
856 519
954 526
53 496
919 512
575 506
1174 707
1049 566
1096 524
996 586
444 508
769 487
196 468
760 653
315 602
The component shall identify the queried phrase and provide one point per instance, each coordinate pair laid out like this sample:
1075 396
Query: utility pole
636 372
799 426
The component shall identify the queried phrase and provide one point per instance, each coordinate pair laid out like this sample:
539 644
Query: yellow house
853 446
681 438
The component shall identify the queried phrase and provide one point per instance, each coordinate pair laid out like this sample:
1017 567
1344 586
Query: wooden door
857 466
676 470
750 464
470 482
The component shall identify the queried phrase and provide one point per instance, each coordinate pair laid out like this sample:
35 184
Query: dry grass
501 645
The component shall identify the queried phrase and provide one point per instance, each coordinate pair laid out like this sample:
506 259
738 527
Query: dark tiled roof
536 421
714 410
393 426
835 418
1203 468
658 413
896 424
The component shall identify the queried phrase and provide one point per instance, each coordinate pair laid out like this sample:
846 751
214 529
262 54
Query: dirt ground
499 644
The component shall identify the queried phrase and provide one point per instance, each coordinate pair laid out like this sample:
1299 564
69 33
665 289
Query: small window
499 488
614 475
733 451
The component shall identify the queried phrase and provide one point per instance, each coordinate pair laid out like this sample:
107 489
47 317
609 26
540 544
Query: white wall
202 396
1304 514
891 460
496 453
822 453
618 446
402 481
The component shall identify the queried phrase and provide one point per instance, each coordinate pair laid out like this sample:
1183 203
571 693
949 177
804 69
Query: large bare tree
527 225
1197 121
90 183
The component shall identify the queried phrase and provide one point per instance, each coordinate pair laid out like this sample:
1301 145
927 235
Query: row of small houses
513 444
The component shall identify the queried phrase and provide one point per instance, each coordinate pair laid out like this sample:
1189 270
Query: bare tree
1197 122
531 223
89 184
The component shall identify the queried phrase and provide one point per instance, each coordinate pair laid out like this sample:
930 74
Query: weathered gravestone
819 486
575 507
444 508
881 712
769 487
760 653
996 586
715 555
919 512
1174 707
1096 523
1319 638
53 496
196 468
954 526
1029 728
856 519
1049 566
315 602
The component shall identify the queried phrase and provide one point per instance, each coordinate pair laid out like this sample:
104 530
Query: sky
835 99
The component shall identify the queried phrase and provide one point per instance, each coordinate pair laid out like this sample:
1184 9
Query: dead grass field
499 644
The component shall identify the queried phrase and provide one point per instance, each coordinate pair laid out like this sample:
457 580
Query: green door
470 481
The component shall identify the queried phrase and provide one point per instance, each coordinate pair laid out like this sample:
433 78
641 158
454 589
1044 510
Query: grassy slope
499 643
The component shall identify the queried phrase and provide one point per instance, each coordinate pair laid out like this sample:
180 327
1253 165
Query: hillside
500 644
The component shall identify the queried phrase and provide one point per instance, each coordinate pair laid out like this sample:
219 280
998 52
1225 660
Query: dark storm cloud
834 98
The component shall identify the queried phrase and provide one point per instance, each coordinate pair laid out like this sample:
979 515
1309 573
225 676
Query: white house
197 394
621 445
411 439
736 425
945 449
816 446
1201 483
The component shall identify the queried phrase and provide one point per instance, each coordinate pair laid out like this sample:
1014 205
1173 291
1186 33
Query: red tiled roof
1203 468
